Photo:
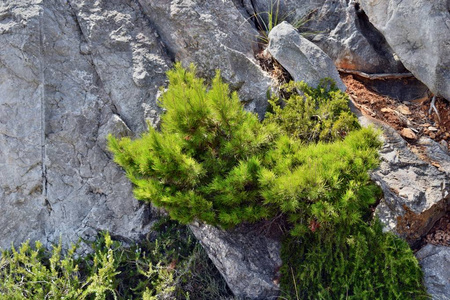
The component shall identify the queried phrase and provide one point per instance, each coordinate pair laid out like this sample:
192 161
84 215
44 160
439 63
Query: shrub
172 266
309 161
204 164
313 114
214 162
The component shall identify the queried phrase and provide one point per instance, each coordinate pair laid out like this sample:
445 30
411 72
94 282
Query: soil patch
440 233
410 118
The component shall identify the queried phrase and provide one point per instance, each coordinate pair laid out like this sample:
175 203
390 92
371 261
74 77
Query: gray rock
419 33
247 259
213 35
72 72
340 28
302 59
435 263
416 194
437 153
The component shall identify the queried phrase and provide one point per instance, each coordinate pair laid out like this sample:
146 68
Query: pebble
403 109
408 133
431 128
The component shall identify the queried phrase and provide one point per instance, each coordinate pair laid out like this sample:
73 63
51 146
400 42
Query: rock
302 59
343 31
340 28
67 80
419 34
408 133
248 260
416 194
435 263
213 35
403 109
437 153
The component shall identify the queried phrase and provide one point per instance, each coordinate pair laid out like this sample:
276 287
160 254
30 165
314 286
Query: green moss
359 262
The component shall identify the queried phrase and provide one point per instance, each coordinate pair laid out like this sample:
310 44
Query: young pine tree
205 162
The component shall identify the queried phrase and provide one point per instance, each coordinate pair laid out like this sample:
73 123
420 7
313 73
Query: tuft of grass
267 20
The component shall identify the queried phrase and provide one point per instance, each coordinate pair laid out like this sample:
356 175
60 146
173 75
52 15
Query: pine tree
309 161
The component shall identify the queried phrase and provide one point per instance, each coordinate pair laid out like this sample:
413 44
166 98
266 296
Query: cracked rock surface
247 259
71 72
340 28
435 261
419 32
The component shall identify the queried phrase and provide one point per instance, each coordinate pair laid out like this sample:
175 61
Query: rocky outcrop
247 259
416 192
340 28
435 262
419 33
302 59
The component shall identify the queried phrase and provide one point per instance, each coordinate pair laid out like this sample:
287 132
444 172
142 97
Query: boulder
419 33
416 193
247 258
435 263
301 58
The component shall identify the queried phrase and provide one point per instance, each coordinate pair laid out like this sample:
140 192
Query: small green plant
313 114
205 162
173 265
214 162
33 273
357 262
267 20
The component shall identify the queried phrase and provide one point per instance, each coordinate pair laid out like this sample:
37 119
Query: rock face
214 35
65 83
435 261
248 260
71 72
301 58
419 32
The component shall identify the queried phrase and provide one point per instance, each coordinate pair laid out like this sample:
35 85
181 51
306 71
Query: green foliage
267 20
309 161
33 273
204 163
322 183
313 114
215 162
29 273
359 262
157 268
